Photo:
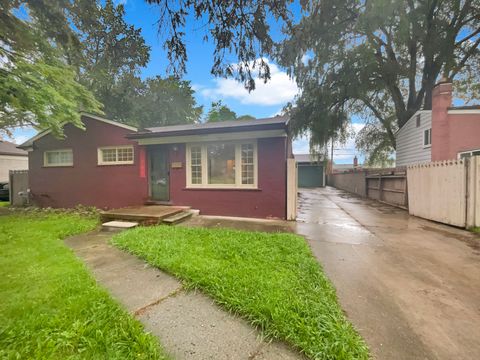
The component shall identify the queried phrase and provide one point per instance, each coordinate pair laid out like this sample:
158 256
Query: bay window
222 165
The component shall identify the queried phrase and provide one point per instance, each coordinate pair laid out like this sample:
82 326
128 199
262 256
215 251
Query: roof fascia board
464 111
211 137
29 142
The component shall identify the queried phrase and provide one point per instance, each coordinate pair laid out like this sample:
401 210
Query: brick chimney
441 101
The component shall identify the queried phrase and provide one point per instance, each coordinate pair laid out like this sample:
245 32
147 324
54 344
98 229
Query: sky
265 101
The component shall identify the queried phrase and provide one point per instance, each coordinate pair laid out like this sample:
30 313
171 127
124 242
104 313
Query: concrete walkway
410 286
189 325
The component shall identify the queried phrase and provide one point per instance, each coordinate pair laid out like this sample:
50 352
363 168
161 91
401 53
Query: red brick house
232 168
444 133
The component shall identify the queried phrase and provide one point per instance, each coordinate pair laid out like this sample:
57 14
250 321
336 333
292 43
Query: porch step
177 218
146 215
118 225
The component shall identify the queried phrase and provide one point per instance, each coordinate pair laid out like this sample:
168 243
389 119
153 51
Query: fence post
473 192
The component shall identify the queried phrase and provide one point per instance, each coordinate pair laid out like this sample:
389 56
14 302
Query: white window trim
238 168
100 158
425 146
45 158
459 155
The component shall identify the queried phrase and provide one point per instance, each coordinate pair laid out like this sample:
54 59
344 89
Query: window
116 155
63 157
418 120
427 137
467 154
196 164
222 165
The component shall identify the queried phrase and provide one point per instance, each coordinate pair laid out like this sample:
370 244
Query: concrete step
118 225
177 218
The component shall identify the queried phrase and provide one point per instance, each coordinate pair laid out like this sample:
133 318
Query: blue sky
267 100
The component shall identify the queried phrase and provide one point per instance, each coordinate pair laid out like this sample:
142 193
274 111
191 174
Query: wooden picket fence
446 191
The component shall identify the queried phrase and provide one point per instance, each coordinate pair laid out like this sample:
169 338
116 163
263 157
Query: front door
159 174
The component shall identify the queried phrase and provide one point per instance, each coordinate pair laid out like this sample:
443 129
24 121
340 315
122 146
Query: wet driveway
411 287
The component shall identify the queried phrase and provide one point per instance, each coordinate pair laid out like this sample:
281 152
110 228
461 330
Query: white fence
446 191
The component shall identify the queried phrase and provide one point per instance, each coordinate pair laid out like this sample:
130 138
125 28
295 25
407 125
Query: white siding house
414 139
11 158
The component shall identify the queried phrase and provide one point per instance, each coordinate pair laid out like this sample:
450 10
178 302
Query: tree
219 112
237 28
246 117
380 59
166 102
37 85
113 53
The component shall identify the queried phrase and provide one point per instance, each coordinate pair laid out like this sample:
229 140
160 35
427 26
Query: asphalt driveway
411 287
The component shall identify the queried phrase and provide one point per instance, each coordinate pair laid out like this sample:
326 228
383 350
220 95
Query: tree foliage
238 29
113 52
380 59
60 57
246 117
220 112
38 86
166 102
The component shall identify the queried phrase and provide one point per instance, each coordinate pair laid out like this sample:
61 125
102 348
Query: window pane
109 155
247 164
125 154
60 157
221 163
476 153
196 164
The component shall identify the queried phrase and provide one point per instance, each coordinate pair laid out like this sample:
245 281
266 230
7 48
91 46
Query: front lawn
4 203
272 280
51 307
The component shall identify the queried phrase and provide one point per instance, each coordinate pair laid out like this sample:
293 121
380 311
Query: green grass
4 203
475 230
51 307
272 280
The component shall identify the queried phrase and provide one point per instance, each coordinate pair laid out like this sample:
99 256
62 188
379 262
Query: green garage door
310 175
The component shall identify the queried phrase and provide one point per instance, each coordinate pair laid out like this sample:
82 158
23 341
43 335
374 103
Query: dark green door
159 175
310 175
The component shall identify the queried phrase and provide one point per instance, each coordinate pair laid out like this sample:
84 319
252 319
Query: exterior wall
85 182
441 100
410 149
268 201
464 130
11 162
453 131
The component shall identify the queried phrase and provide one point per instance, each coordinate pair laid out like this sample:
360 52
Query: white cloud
279 90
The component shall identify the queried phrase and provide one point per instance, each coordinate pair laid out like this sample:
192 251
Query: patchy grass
475 230
4 203
50 305
272 280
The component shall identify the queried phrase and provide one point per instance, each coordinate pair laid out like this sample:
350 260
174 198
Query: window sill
56 166
128 164
427 146
221 189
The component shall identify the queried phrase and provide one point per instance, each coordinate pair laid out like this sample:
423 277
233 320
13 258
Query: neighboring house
11 158
232 168
340 168
414 140
444 133
311 172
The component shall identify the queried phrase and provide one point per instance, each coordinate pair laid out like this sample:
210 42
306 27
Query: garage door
310 175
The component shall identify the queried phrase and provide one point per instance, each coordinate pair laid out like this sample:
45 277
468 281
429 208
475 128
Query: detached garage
311 172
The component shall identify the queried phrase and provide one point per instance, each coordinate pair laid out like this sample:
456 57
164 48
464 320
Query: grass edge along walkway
51 306
270 279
